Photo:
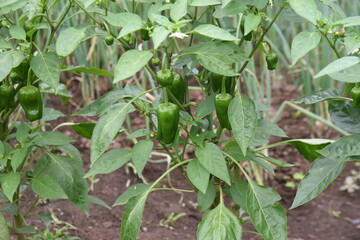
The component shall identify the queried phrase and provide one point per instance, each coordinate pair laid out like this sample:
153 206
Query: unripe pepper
168 120
31 101
7 94
247 37
178 88
165 77
109 40
216 81
355 93
144 33
222 102
271 60
155 61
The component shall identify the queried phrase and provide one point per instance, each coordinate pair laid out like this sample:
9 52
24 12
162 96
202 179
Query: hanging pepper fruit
216 81
165 77
271 60
155 61
109 40
144 33
355 93
31 102
168 120
178 88
248 36
7 95
222 101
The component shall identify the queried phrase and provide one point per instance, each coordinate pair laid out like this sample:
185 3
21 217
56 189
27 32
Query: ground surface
315 220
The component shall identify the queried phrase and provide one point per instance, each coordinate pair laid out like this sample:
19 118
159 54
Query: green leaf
270 128
215 65
69 174
45 186
18 156
85 129
132 191
349 21
343 149
123 19
50 114
238 192
4 230
214 32
338 65
212 159
319 96
69 40
348 75
88 70
306 9
267 215
198 175
322 172
178 10
129 29
251 23
263 164
132 217
109 162
8 6
9 183
130 63
345 116
98 201
232 8
243 120
206 199
276 162
51 138
107 128
308 147
201 3
141 153
9 60
139 133
46 66
206 107
303 43
17 32
159 34
219 224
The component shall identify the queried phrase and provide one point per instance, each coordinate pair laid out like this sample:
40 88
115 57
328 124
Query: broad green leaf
159 34
45 186
123 19
243 120
206 107
9 183
107 128
132 216
178 10
141 153
349 21
234 150
343 149
132 191
69 174
306 9
201 3
60 90
319 96
238 192
98 201
4 44
46 66
263 164
276 162
87 3
50 114
69 40
214 32
338 65
267 215
232 8
11 5
198 175
348 75
130 63
251 22
4 230
129 29
9 60
308 147
322 172
205 200
260 4
270 128
18 156
215 65
17 32
85 129
303 43
109 162
212 159
51 138
22 132
345 115
139 133
219 224
89 70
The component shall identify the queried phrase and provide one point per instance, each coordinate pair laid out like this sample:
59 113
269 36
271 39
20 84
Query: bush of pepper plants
181 45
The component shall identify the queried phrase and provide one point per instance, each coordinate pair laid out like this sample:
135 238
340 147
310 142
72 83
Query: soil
334 215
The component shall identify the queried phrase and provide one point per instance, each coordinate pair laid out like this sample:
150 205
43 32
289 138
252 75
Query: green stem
166 97
331 45
18 218
174 189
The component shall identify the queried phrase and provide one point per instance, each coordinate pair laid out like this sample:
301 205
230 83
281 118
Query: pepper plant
184 46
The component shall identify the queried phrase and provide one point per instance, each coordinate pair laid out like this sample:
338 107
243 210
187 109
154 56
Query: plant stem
18 218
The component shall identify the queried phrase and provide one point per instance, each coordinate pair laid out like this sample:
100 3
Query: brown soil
315 220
